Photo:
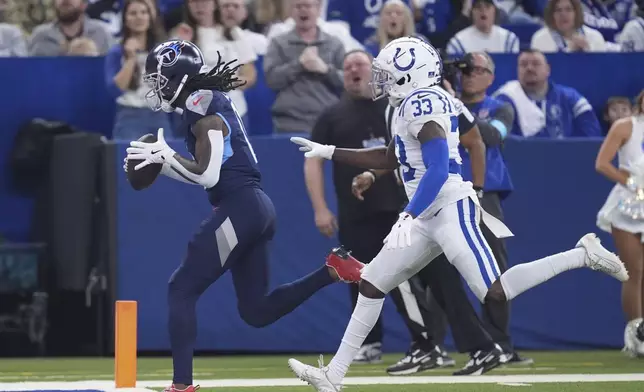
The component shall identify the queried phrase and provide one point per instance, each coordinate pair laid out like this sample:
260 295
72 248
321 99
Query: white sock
364 317
525 276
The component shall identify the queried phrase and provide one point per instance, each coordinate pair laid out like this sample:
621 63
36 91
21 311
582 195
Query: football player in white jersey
443 213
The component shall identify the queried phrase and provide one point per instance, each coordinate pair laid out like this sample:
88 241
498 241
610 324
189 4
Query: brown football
143 178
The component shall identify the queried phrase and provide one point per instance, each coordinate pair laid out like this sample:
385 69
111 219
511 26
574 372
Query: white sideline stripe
286 382
207 375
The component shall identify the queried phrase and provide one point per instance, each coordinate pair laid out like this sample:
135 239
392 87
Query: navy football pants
236 237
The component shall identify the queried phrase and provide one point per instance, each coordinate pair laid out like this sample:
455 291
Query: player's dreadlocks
221 78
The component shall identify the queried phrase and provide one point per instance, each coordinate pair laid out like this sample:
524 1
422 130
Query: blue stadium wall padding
556 202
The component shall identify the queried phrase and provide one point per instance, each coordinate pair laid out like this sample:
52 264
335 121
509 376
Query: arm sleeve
586 122
436 159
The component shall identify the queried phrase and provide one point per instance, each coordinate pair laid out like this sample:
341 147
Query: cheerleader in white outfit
623 214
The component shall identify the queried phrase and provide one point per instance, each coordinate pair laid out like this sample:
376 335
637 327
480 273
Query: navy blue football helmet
167 68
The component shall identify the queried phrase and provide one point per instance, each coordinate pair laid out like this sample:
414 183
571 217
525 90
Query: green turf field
552 372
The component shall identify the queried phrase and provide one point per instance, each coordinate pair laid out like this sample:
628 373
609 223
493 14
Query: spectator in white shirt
12 41
484 35
631 38
233 14
565 30
202 26
124 66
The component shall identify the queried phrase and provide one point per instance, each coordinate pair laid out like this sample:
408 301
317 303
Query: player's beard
69 16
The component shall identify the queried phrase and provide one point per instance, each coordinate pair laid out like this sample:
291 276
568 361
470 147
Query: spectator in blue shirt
124 66
543 108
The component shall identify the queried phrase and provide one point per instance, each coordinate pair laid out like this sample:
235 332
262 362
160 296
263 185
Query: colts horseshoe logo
408 66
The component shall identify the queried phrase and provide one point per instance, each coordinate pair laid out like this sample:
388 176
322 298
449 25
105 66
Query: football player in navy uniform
236 236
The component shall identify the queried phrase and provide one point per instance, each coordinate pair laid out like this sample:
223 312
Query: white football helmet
402 66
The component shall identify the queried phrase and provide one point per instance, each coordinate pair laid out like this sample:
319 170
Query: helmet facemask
381 82
157 82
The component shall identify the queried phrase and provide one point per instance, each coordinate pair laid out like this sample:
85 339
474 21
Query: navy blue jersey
239 165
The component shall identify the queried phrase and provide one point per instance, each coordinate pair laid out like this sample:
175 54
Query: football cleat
481 362
599 258
315 377
416 360
444 360
345 266
514 358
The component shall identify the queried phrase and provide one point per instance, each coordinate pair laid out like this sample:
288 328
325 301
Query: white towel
496 226
531 118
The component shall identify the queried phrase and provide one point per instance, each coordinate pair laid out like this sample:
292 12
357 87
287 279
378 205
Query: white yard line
282 382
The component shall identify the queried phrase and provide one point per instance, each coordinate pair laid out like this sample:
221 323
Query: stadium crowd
306 81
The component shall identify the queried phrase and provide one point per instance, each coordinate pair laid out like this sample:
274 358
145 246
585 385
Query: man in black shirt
355 122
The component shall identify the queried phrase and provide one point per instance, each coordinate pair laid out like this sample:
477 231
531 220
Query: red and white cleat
189 388
345 266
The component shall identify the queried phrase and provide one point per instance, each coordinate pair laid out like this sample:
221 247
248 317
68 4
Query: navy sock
182 323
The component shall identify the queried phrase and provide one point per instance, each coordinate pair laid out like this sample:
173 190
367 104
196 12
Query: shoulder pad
428 102
199 102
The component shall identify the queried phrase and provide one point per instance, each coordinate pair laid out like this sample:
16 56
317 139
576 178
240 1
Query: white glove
157 152
400 235
313 149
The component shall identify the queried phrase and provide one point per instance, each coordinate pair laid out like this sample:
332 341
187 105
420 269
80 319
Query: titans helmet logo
169 55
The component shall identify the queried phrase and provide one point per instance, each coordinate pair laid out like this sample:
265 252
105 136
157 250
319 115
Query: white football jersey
420 107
